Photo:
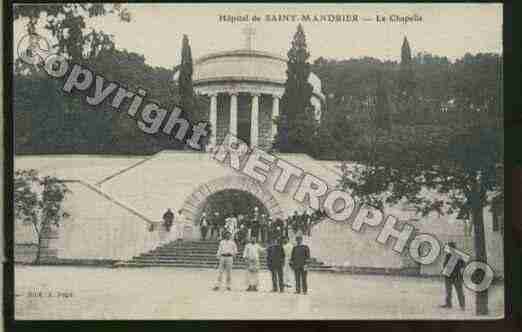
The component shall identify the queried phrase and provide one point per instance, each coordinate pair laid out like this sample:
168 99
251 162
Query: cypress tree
297 122
186 91
406 84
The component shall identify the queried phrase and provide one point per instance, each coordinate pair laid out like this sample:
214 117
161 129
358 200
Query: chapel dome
244 66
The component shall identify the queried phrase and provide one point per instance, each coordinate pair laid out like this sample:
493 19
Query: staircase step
194 257
203 265
210 263
197 254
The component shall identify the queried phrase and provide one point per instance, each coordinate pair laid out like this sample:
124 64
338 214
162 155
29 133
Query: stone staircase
196 254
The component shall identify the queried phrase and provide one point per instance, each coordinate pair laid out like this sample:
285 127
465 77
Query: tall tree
193 106
186 90
39 201
448 167
297 125
458 166
406 85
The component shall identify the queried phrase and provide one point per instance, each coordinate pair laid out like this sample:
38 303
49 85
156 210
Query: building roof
244 66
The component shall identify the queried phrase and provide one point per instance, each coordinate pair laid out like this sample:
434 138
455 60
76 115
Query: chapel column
213 118
233 114
275 114
254 120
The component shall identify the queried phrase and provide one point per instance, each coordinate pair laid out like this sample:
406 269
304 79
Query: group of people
303 222
257 225
282 257
242 227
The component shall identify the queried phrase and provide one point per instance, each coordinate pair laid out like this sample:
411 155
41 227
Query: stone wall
25 253
337 244
101 227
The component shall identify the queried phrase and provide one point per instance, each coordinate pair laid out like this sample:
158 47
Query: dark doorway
232 202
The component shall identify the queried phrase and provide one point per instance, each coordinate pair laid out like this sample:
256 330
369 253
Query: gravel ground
64 292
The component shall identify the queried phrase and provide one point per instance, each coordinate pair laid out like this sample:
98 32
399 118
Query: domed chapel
245 87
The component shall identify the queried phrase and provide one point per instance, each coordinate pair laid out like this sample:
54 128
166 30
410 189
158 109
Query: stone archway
196 201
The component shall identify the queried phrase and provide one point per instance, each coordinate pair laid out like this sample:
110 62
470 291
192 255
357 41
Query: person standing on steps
164 231
275 260
180 224
279 228
214 230
242 235
203 226
255 223
247 221
168 219
225 254
251 256
264 228
221 223
299 263
454 279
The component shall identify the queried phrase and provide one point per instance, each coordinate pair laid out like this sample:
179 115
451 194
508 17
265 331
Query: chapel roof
244 65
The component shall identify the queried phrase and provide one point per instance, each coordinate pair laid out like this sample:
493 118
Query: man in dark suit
299 262
214 226
264 228
454 279
203 226
279 228
275 261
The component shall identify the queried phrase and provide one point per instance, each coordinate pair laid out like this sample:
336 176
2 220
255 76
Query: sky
156 30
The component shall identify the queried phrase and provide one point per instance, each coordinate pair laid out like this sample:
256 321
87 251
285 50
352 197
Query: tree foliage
194 106
406 94
67 25
443 92
382 105
49 120
297 125
186 90
446 168
38 200
443 155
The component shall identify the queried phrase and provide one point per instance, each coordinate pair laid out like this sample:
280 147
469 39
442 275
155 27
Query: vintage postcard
258 161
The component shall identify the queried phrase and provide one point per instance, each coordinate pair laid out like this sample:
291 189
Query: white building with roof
245 87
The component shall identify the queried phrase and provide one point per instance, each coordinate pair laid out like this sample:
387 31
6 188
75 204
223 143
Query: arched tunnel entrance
231 196
232 203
